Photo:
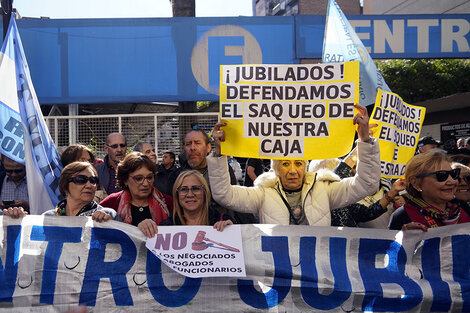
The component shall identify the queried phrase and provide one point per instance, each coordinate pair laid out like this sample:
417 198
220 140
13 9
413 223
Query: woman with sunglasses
431 185
463 188
79 152
77 183
139 203
192 203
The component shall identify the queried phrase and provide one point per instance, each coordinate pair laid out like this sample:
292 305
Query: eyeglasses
465 179
184 190
115 146
82 180
139 179
16 171
441 176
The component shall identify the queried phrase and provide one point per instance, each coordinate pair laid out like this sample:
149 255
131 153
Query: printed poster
200 251
398 131
302 111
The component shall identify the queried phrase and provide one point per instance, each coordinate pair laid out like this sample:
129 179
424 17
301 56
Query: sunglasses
140 178
115 146
184 190
16 171
441 176
82 180
465 179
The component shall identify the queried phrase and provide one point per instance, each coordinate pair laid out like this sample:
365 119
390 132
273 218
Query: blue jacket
103 173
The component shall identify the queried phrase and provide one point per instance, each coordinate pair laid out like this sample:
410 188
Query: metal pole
7 8
155 134
73 112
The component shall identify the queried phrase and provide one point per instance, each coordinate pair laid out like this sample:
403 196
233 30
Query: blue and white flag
23 126
341 44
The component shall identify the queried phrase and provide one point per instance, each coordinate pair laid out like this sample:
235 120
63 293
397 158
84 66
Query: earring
421 190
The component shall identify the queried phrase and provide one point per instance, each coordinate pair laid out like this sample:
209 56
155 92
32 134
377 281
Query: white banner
51 264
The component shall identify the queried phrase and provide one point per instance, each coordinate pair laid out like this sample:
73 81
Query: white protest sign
200 251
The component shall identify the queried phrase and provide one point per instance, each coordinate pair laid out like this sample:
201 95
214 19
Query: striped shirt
11 191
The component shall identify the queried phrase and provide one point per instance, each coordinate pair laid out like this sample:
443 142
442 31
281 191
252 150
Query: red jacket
112 201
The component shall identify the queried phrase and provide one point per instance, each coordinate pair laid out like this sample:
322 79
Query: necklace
139 207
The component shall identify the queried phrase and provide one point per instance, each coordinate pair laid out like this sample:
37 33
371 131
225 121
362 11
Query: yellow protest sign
398 131
302 111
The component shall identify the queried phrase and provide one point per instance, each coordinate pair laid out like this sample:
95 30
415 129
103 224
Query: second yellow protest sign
289 111
399 125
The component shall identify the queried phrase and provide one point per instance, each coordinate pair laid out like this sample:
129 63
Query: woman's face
84 157
140 183
291 174
81 193
463 188
437 192
191 194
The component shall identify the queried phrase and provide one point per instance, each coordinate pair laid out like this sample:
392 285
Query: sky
126 8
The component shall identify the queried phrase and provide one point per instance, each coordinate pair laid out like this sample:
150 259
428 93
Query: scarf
157 205
60 209
420 211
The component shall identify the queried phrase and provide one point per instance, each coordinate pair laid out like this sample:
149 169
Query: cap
427 140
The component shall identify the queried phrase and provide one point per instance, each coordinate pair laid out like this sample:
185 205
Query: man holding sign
290 195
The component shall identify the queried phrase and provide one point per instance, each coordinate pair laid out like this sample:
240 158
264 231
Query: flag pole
7 8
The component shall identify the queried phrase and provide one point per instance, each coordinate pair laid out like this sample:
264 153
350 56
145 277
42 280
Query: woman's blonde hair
464 170
178 210
421 164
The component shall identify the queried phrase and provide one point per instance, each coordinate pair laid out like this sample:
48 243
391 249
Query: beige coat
321 191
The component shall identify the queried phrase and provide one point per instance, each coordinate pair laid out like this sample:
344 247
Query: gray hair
275 165
139 147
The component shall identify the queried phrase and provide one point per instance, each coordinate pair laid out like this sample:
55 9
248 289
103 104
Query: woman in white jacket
290 195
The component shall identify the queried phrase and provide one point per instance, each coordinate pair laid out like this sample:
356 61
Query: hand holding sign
100 216
15 212
397 186
362 121
220 225
219 136
148 227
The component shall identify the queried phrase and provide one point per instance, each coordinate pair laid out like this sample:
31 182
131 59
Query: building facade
294 7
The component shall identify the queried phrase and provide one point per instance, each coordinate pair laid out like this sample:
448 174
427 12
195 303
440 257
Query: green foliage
202 104
417 80
93 145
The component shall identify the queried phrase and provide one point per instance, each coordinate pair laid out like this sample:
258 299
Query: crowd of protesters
130 186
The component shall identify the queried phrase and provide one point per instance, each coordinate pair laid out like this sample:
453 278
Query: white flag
341 44
22 125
